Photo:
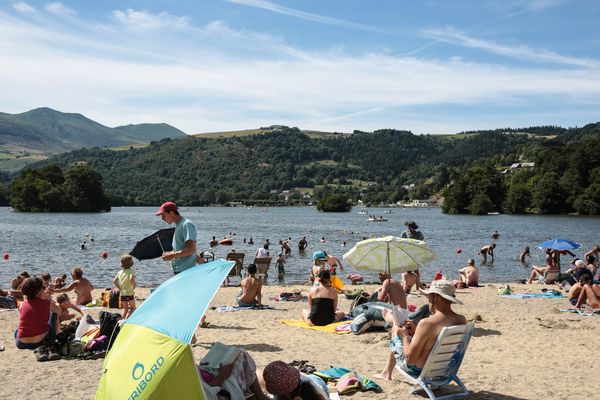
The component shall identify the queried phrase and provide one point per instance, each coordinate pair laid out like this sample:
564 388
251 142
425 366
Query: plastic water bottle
438 276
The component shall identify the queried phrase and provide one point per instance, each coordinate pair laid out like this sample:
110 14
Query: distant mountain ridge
48 131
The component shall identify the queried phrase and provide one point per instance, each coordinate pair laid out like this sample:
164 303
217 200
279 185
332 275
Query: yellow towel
327 328
337 283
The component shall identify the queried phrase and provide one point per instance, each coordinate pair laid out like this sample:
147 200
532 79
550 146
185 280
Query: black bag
109 326
358 300
8 302
113 299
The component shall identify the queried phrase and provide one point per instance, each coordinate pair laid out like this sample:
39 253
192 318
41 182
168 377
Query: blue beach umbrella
152 358
559 244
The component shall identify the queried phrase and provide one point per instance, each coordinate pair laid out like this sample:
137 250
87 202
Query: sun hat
580 264
443 288
166 207
281 378
320 255
411 224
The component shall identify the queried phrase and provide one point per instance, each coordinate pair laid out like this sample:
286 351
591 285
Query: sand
522 348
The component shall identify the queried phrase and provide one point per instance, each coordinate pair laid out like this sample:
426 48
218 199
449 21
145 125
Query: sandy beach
522 348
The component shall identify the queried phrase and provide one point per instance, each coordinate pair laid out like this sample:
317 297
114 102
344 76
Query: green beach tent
151 358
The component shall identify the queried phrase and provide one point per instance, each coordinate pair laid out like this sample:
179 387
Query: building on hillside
418 203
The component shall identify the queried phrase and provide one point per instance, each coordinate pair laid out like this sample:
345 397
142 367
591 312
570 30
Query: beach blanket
89 308
585 313
238 308
549 295
331 328
348 381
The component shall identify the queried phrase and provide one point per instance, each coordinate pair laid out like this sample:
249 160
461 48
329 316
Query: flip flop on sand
204 325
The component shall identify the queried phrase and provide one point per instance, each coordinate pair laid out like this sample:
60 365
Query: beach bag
113 299
109 326
8 302
86 323
97 344
358 300
72 348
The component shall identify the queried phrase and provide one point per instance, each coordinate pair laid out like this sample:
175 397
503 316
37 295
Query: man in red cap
183 255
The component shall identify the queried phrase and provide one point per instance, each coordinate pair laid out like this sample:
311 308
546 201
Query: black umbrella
154 245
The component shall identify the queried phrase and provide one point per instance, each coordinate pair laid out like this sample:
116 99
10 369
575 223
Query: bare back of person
251 288
471 276
429 329
391 289
83 288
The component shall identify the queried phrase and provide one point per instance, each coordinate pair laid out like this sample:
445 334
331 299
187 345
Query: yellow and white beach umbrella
390 254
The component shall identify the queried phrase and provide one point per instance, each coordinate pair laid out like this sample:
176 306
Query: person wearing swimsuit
322 303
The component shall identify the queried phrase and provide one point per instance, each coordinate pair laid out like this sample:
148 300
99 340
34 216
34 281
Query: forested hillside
385 166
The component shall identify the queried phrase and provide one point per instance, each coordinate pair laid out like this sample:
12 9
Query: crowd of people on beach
45 304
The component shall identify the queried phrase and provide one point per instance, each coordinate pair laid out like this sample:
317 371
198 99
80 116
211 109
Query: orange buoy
458 251
105 255
226 242
6 256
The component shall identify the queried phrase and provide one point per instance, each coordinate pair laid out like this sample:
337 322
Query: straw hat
444 289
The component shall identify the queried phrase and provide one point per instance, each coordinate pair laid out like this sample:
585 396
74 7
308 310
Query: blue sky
426 66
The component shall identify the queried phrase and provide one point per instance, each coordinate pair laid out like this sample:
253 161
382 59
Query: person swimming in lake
495 235
302 244
524 254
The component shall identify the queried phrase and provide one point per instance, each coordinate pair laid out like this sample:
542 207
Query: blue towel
551 295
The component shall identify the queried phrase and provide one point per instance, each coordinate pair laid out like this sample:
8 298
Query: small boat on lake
374 218
364 212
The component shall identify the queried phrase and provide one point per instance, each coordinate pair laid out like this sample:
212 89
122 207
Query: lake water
51 242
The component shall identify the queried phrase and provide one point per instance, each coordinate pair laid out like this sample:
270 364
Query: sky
431 67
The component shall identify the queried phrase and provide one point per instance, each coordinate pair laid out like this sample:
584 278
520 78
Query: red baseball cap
166 207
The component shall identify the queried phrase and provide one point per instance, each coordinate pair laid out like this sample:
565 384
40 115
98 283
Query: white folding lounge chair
441 367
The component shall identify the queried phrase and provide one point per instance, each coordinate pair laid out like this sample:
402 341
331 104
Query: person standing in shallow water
183 255
412 231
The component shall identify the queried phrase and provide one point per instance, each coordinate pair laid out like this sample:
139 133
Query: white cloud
519 52
23 7
216 78
146 21
58 8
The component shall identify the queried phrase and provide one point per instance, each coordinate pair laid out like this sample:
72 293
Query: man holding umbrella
183 255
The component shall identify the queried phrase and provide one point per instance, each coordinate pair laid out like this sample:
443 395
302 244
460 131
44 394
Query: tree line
384 166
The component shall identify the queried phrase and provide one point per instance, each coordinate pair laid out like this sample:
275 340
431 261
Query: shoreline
513 342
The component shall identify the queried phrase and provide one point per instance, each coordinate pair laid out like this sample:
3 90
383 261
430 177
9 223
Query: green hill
39 133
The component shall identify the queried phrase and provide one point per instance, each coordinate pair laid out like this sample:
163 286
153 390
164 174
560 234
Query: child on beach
125 282
64 303
59 282
81 285
280 265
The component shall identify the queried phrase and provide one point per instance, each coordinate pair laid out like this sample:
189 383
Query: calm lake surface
51 242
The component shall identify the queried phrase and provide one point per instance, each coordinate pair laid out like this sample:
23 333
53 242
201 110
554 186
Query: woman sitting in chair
551 266
322 303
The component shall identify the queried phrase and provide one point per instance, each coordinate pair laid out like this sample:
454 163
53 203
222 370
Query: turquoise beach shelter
152 358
